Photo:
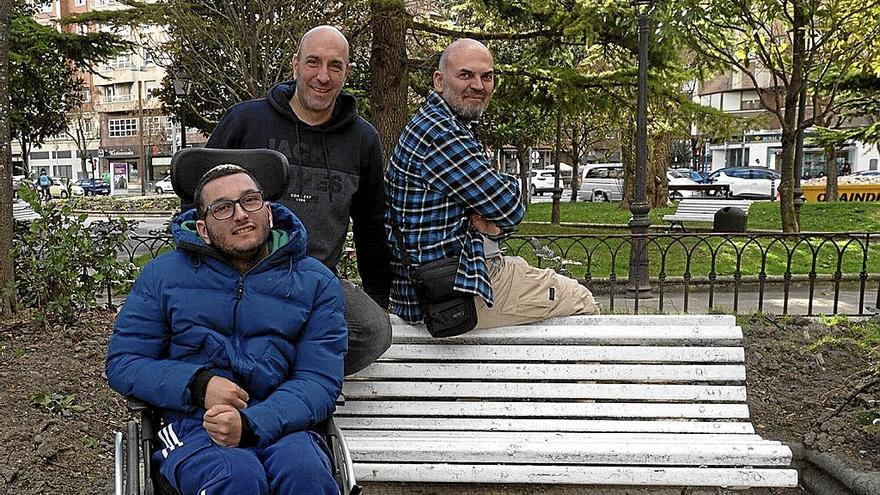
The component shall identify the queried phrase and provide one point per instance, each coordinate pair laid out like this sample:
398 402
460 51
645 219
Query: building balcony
125 103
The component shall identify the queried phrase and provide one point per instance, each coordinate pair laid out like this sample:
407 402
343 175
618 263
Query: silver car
602 182
748 182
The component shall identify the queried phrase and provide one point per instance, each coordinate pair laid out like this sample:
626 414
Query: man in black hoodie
336 174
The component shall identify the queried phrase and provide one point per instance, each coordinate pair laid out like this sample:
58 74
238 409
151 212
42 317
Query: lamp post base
639 285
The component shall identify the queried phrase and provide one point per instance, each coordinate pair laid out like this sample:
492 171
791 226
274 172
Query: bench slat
634 320
568 439
578 335
553 425
368 389
583 475
520 452
626 320
568 371
546 353
543 409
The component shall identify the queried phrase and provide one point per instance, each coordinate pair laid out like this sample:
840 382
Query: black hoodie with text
336 173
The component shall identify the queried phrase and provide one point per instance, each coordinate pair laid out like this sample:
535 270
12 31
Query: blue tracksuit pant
295 464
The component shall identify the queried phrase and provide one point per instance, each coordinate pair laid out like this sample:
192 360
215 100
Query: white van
601 182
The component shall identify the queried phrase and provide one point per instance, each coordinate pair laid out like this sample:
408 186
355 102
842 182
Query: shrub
61 264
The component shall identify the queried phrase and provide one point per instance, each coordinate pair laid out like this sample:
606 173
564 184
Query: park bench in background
587 400
702 210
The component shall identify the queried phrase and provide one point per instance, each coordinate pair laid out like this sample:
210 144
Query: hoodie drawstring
299 168
327 165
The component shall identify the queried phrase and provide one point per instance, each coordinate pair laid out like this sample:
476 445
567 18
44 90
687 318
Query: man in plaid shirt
447 200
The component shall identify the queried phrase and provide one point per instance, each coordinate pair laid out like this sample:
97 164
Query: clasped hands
222 421
484 226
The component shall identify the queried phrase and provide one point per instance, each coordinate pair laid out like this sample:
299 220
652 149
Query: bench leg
672 226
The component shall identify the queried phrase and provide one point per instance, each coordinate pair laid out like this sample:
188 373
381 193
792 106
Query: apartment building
735 93
121 129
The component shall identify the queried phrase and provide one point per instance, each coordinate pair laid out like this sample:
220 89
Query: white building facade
735 94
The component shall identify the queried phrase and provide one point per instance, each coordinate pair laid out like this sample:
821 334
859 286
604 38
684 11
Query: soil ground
66 445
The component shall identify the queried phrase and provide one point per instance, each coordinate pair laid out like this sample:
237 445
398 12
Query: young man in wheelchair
238 337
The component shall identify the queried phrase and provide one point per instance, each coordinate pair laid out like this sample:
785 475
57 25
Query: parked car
602 182
692 174
92 187
541 181
676 179
62 188
163 186
747 182
866 173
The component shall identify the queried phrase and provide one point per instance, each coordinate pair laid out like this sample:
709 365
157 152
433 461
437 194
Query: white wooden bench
586 400
702 210
22 212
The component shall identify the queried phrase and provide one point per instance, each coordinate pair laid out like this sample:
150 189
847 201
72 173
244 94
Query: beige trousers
525 294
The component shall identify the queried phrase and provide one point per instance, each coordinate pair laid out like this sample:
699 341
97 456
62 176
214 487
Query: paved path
798 304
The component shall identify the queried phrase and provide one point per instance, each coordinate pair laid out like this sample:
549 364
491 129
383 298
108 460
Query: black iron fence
804 273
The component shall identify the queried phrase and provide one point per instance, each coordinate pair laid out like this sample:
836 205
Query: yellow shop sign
845 192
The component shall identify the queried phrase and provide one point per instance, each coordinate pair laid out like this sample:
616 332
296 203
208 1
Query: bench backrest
591 374
710 206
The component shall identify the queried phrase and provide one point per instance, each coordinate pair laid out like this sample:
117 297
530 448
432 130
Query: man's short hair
222 170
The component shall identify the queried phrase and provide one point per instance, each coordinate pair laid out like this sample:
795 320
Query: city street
548 197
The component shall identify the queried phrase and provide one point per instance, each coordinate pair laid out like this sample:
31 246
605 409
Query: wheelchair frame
133 449
136 474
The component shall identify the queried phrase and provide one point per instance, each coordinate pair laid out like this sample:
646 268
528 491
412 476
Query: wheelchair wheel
343 469
132 459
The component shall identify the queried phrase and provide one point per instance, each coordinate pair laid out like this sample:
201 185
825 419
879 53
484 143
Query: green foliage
865 333
235 50
42 86
61 264
126 203
43 64
57 403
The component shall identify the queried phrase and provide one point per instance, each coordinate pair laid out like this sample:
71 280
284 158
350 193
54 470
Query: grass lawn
763 215
697 256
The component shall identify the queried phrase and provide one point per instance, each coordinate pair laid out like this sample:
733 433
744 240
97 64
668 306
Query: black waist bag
447 311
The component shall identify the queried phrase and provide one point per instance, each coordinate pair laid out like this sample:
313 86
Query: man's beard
459 108
251 254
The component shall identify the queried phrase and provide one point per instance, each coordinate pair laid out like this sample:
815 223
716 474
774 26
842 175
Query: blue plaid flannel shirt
438 175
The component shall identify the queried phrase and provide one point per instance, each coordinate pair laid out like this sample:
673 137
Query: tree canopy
43 68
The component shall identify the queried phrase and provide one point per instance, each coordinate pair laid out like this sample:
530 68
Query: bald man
335 176
446 200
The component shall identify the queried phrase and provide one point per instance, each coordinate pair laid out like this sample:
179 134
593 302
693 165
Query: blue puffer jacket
277 331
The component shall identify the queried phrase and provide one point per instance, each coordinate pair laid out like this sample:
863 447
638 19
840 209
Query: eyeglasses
225 209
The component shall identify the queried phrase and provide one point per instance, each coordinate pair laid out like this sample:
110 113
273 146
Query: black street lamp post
182 86
638 285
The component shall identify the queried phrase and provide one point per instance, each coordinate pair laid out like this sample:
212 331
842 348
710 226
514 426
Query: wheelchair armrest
136 405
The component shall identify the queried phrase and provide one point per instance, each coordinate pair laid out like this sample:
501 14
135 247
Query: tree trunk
522 154
657 192
830 175
7 265
576 145
658 160
790 125
389 71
